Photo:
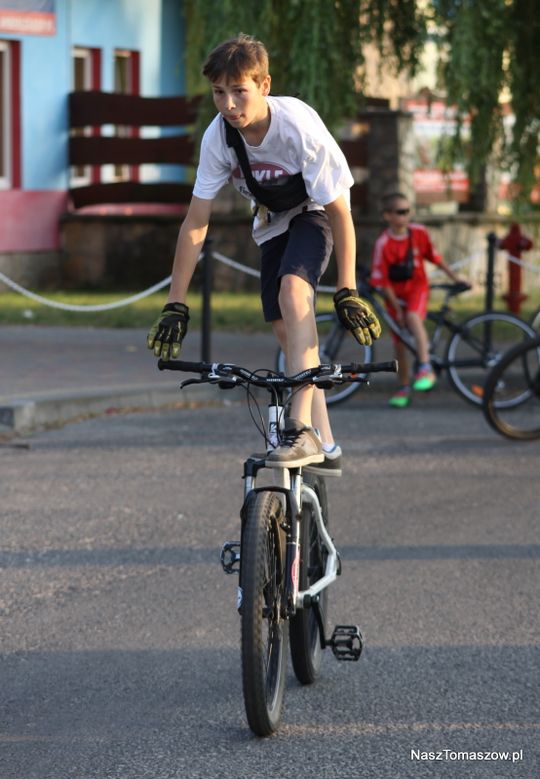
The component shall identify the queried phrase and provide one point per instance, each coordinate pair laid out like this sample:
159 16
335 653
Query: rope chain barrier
164 282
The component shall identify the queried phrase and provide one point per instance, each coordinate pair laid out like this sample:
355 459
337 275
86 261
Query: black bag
285 193
403 271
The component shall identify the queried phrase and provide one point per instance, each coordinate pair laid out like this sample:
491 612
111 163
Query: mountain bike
472 348
511 402
286 558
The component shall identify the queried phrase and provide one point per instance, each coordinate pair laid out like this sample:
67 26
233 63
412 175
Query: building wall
29 215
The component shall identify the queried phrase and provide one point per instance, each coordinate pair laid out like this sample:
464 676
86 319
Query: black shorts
303 250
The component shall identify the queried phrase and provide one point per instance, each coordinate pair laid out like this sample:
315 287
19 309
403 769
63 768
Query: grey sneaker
300 445
330 466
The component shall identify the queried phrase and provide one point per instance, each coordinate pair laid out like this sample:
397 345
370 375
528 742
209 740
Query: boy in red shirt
406 298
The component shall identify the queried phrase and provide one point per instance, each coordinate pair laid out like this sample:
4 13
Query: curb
27 413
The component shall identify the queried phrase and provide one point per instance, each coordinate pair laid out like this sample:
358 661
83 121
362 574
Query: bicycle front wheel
264 631
478 346
336 345
306 649
511 403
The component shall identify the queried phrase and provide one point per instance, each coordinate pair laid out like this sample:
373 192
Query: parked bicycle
511 402
286 558
472 348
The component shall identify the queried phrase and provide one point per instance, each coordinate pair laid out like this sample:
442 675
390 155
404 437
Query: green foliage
492 46
315 46
316 51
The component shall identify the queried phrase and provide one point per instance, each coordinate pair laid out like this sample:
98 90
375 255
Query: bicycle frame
289 483
295 493
439 317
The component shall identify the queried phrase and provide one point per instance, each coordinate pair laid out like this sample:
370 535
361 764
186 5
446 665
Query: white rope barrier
76 307
524 265
221 258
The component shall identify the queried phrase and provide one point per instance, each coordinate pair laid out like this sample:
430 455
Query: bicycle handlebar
214 372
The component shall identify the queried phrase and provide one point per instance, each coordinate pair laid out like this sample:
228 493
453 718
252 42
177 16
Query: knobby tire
306 650
264 632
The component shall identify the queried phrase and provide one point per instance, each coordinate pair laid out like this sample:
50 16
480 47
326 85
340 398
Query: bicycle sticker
294 571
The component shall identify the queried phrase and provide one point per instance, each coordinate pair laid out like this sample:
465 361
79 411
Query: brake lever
187 382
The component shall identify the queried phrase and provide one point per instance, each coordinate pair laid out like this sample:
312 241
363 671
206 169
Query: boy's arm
353 312
344 236
188 247
450 273
167 333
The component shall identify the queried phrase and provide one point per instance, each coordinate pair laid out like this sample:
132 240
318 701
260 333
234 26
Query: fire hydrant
515 243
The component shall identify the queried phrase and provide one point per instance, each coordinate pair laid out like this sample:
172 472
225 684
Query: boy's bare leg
319 410
416 326
297 336
403 364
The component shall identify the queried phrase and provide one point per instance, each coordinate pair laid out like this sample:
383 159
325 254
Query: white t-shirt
297 141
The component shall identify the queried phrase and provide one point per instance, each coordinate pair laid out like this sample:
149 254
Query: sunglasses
402 211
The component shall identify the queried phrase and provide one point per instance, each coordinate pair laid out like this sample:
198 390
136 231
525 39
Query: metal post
207 282
490 272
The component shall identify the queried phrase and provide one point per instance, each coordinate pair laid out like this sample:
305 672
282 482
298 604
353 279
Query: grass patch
233 311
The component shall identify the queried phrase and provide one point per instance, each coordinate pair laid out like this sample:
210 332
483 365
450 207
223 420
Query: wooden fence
92 110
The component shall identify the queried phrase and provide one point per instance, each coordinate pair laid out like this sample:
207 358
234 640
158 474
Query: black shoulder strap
282 196
234 140
409 257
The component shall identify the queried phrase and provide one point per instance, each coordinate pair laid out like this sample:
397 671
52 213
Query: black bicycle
286 558
473 346
511 402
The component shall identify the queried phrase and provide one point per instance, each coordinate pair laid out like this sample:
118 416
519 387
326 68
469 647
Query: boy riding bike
302 211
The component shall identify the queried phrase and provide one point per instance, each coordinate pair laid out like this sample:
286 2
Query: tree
489 48
316 47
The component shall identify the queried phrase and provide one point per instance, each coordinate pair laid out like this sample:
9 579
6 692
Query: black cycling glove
167 333
356 315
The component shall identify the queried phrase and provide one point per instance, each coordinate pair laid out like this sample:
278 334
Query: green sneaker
424 380
401 398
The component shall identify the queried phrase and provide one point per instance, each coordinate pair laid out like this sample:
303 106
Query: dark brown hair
388 201
236 59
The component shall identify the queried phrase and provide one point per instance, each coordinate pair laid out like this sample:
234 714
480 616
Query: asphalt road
120 640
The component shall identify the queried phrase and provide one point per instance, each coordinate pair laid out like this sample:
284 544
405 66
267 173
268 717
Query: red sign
28 17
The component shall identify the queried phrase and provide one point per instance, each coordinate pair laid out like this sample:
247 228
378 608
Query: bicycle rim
306 650
512 393
264 632
480 345
336 345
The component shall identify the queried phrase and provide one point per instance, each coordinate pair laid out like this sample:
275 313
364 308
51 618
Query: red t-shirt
391 249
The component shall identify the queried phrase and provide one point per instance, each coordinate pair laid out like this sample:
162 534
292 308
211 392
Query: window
126 81
85 75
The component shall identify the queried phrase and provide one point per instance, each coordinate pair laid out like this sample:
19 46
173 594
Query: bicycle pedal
346 642
230 557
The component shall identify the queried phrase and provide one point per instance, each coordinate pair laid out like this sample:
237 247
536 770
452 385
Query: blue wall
152 27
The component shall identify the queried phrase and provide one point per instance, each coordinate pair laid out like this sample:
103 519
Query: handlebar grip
373 367
182 365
